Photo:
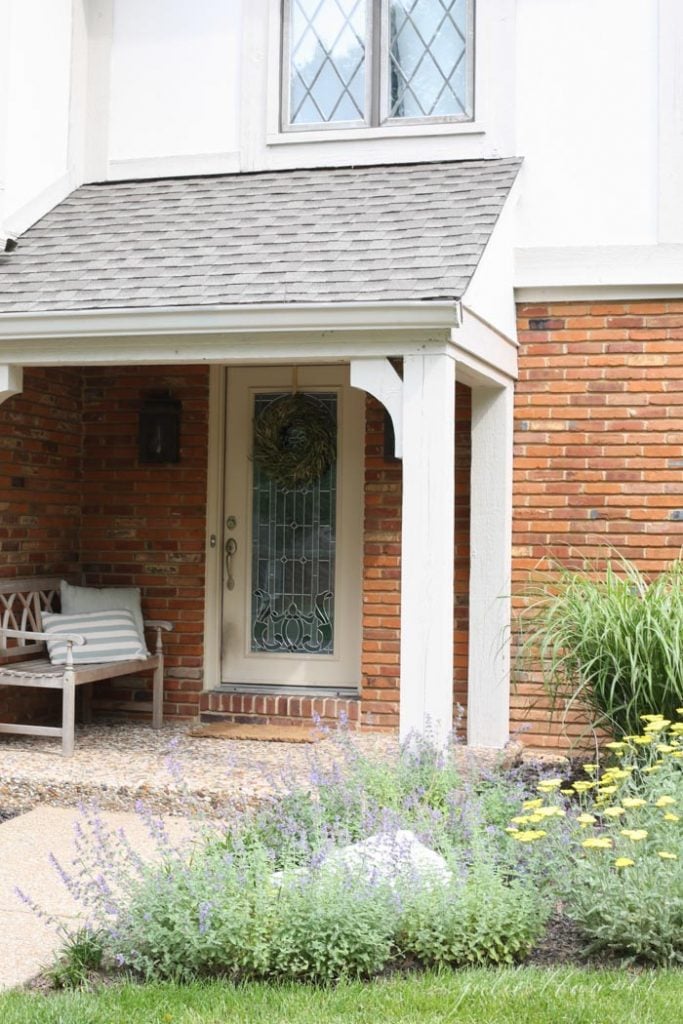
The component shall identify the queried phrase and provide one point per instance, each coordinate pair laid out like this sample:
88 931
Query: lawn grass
478 996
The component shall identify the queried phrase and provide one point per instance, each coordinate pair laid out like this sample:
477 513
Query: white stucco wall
587 121
175 73
36 56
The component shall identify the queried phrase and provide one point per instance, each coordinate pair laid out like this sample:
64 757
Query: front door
292 549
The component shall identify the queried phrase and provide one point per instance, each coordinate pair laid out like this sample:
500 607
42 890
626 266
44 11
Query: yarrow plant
614 843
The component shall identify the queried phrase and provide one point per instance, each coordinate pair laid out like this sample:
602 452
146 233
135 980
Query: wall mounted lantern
159 433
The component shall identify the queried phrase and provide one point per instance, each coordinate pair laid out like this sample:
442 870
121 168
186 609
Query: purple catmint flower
205 908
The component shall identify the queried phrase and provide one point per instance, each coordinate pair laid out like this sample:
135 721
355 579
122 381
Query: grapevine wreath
294 440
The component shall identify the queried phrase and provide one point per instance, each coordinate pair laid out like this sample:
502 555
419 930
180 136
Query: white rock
391 857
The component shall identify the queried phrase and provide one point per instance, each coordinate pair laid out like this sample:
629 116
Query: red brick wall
382 567
144 525
598 448
40 501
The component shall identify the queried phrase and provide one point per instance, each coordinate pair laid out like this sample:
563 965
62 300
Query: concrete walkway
27 943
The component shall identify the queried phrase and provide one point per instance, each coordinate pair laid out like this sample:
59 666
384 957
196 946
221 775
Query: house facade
328 323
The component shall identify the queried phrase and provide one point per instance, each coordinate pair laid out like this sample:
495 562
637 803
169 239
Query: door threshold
272 689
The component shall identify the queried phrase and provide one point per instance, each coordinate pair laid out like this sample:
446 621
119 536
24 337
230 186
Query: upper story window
355 63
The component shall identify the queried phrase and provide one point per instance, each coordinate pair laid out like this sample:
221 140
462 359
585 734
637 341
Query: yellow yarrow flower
550 812
607 790
570 792
650 718
652 768
548 785
615 745
664 801
530 836
642 740
624 862
633 801
597 843
615 775
529 805
657 726
590 768
665 855
582 786
664 748
634 834
614 812
586 819
669 816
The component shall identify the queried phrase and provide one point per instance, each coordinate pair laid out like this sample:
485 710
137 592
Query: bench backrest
22 603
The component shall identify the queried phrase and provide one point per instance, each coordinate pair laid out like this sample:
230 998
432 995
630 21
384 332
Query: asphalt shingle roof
360 234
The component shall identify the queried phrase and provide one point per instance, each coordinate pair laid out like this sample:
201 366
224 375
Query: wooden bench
22 603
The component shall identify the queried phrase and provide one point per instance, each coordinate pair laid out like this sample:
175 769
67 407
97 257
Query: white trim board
600 266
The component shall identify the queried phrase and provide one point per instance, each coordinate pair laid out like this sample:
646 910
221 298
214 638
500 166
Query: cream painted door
292 558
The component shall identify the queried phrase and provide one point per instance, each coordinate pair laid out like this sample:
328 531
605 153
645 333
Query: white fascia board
257 319
483 355
273 334
608 271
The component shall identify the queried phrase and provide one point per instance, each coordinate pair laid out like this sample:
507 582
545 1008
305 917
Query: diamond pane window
327 61
430 59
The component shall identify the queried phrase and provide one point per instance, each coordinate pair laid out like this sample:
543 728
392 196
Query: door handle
230 549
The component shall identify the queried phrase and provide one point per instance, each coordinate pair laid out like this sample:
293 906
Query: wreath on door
294 440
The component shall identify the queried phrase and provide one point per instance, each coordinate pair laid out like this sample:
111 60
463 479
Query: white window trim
393 128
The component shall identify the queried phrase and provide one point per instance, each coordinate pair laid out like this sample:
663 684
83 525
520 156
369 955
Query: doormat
256 731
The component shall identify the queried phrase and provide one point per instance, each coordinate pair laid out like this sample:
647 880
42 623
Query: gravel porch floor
118 763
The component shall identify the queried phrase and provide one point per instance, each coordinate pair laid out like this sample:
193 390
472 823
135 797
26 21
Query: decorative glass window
355 63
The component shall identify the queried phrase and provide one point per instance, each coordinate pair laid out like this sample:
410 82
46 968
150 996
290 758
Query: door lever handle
230 549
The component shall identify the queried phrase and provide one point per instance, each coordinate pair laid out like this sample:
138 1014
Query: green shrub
484 919
331 927
608 642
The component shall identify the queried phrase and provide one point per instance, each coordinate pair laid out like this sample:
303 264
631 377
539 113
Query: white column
11 382
488 691
427 545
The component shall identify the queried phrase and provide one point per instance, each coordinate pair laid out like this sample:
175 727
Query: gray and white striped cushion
110 636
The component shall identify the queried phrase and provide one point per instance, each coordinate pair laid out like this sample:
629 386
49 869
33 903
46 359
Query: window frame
377 78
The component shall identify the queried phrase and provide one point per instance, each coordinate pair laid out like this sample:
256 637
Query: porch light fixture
10 244
159 430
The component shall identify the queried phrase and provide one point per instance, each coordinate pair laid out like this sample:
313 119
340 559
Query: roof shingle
361 234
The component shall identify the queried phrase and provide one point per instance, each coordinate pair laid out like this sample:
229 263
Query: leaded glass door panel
292 565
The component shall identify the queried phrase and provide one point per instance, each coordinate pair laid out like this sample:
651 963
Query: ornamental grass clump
614 840
608 642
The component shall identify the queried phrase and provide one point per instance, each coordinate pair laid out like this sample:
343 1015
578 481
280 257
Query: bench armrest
159 624
24 634
70 638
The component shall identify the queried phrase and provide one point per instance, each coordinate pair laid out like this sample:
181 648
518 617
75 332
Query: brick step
287 709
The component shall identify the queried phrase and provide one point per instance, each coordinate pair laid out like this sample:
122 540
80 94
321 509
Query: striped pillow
110 636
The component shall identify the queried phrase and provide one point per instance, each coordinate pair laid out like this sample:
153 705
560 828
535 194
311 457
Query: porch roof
398 233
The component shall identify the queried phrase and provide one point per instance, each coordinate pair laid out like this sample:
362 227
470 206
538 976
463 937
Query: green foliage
80 956
610 642
484 919
332 927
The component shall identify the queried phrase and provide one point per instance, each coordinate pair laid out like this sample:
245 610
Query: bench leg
86 703
158 695
68 714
